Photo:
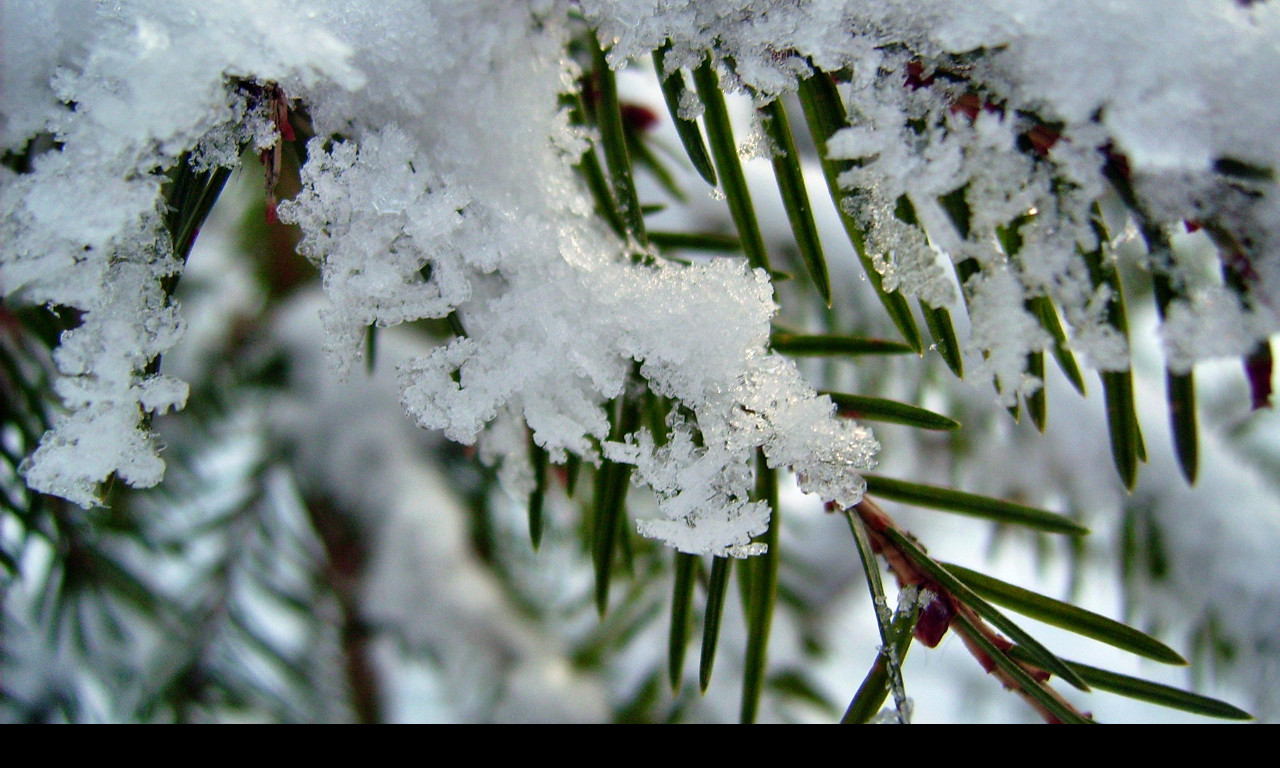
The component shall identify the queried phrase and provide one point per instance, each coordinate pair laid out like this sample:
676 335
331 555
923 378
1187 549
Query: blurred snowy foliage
1028 144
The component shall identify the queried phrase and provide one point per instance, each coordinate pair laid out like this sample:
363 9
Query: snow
375 220
440 183
83 229
1175 92
554 313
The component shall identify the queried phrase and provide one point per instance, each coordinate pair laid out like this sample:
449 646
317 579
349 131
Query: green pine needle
1122 424
948 500
763 595
537 498
871 694
891 411
825 115
717 587
686 566
612 482
1043 309
614 141
1037 402
938 320
877 684
1145 690
795 198
802 345
729 167
673 90
696 241
1066 616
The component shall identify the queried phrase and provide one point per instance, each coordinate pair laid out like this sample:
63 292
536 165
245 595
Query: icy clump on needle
83 229
700 332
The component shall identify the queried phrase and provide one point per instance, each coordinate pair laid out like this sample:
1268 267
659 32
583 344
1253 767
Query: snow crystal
690 106
758 144
1212 318
1004 332
249 125
700 492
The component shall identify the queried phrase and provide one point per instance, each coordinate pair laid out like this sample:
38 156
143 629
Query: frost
690 106
895 715
699 491
1211 319
901 253
758 143
742 397
1004 332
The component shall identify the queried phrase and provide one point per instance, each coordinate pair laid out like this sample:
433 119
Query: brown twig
946 606
347 557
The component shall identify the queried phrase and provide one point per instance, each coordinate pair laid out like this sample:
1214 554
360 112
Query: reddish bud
280 104
1042 138
935 619
637 118
1116 162
916 77
1257 368
968 105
